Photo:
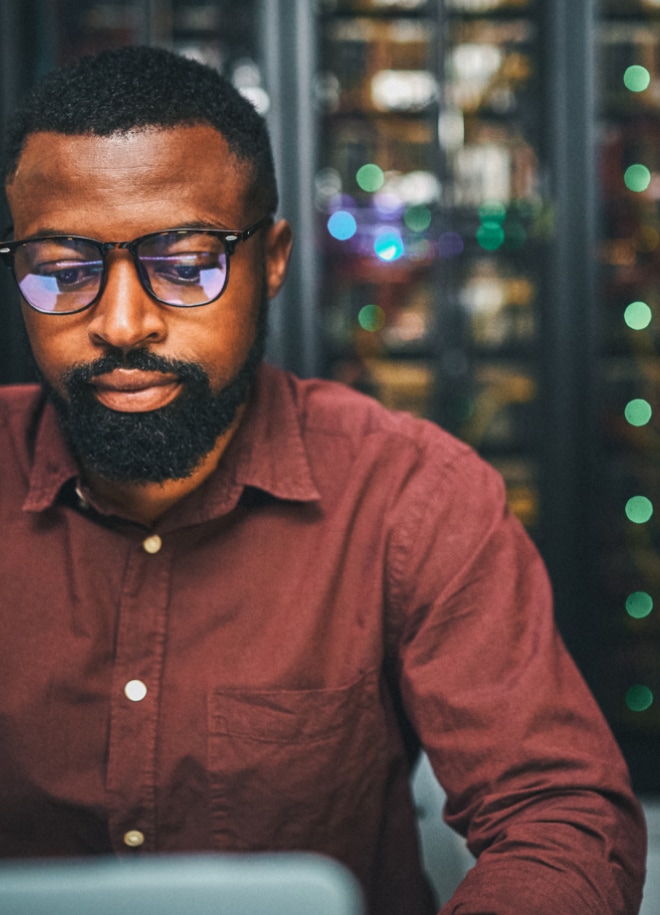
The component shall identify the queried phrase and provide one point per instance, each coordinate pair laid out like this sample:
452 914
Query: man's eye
187 272
181 270
68 275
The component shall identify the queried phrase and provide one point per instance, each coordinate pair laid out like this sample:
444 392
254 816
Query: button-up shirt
257 669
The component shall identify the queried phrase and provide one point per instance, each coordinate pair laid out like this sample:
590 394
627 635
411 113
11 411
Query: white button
135 690
134 838
152 544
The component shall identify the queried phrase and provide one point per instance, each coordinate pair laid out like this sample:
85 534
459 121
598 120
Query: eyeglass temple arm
5 252
6 255
232 240
5 240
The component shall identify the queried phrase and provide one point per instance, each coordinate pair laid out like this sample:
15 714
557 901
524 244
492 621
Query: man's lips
134 390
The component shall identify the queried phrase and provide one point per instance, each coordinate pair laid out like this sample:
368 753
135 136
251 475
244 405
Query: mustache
142 360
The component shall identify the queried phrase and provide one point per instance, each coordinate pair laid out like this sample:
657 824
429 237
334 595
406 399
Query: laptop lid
268 884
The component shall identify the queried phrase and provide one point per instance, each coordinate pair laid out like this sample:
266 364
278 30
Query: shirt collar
267 452
53 465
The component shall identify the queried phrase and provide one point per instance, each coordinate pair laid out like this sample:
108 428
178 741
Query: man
234 603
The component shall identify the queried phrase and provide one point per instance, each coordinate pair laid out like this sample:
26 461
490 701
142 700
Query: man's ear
279 240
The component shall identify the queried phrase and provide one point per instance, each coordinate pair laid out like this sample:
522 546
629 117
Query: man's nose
126 316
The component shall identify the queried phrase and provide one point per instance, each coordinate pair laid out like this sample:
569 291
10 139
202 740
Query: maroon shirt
254 671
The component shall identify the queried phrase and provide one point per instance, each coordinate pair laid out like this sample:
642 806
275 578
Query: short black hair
141 87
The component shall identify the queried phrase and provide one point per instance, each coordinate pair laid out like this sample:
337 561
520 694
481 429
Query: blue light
342 225
389 245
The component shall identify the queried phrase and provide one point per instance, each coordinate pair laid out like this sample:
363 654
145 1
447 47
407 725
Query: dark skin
117 188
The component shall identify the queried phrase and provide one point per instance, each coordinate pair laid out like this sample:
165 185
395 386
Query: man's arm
533 776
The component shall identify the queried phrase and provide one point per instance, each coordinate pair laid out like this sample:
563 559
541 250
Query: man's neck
146 502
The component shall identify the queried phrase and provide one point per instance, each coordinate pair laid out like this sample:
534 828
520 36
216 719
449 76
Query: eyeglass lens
66 274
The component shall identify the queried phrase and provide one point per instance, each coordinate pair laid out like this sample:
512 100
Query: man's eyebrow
47 231
183 224
44 230
203 224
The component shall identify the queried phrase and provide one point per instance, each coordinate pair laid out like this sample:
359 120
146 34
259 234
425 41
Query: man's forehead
130 183
144 152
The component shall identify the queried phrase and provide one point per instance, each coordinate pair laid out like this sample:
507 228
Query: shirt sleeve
533 776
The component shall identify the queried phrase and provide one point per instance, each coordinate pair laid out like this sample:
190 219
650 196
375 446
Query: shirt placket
136 695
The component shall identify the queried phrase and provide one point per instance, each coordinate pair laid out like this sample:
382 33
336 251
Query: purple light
450 244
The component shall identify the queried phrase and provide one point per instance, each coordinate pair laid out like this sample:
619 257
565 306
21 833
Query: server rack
624 532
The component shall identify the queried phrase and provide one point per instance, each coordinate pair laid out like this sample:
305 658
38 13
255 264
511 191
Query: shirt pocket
297 769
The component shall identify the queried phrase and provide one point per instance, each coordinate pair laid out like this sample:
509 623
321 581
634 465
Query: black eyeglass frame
230 238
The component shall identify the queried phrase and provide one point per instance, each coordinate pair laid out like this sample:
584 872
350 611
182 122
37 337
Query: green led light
638 315
516 234
639 698
370 177
639 605
492 211
637 178
638 412
417 218
371 318
637 78
639 509
490 236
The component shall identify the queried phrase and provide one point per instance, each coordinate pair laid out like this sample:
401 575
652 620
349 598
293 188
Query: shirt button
135 690
152 544
82 501
134 838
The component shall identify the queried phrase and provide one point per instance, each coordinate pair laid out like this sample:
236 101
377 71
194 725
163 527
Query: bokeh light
371 318
639 698
418 218
638 412
639 605
370 177
389 245
647 239
387 202
638 315
342 225
403 90
492 211
420 249
450 244
327 185
637 178
637 78
639 509
490 236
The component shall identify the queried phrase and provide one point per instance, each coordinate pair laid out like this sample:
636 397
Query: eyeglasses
63 274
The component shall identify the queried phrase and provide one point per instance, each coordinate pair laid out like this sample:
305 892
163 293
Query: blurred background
475 188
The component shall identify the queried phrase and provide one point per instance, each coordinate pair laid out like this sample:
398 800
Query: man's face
128 362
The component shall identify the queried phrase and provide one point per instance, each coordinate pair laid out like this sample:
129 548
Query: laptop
230 884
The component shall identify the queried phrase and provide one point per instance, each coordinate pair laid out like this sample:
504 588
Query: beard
159 445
